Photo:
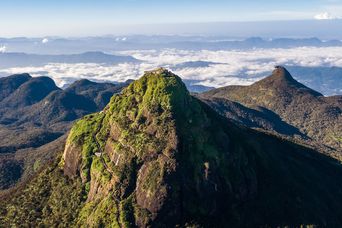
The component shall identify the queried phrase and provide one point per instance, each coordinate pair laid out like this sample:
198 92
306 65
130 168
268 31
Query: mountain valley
35 112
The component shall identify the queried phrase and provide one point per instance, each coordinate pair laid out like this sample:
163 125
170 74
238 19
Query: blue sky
95 17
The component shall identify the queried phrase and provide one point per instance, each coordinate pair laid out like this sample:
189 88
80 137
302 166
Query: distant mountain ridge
58 45
30 92
316 116
8 60
11 83
34 112
327 80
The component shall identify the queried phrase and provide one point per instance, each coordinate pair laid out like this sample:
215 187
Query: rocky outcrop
72 154
158 157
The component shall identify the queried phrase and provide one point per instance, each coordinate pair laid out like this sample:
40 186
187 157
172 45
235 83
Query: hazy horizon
38 18
323 29
193 38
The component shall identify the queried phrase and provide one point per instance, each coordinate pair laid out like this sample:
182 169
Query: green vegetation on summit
158 157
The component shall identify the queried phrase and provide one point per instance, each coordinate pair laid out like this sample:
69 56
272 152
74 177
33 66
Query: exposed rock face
158 157
72 154
138 135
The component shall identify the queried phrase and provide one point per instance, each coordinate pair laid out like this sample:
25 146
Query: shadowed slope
316 116
156 156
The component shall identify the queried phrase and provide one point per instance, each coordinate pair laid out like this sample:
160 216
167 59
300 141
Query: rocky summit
158 157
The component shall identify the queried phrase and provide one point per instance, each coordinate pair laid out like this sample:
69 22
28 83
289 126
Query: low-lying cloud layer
209 68
3 48
324 16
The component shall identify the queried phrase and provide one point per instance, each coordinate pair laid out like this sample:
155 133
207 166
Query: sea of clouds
216 69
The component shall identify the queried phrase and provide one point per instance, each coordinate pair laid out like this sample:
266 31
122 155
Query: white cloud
45 41
3 49
237 67
117 39
325 16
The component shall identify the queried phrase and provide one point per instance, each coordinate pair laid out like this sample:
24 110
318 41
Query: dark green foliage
30 92
167 159
104 215
127 212
219 165
35 114
48 200
11 83
10 171
282 105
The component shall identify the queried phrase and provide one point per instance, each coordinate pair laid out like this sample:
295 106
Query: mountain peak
166 78
160 71
157 157
159 87
281 71
282 81
280 76
11 83
23 75
31 91
81 83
